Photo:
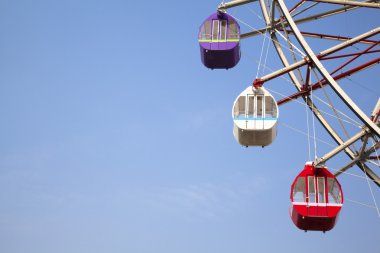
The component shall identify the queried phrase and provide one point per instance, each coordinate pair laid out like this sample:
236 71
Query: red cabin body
317 199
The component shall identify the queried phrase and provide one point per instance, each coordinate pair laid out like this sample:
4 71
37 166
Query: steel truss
285 23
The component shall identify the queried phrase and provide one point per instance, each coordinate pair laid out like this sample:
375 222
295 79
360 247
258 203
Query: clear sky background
115 138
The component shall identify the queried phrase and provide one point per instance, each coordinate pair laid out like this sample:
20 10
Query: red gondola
317 199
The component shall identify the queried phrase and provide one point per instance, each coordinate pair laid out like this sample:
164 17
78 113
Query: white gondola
255 115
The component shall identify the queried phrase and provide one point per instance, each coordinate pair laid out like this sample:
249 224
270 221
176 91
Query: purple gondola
219 40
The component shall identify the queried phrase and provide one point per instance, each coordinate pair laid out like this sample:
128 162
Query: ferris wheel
316 195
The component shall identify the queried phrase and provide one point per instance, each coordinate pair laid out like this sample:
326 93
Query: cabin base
255 137
313 223
220 59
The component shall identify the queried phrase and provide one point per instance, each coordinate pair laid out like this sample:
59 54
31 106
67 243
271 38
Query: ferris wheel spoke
350 3
304 10
363 156
326 14
331 37
361 160
297 6
321 55
274 24
341 147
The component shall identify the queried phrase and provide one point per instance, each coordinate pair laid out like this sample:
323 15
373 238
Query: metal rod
320 55
341 147
299 4
348 55
224 6
354 58
350 3
299 21
330 37
319 85
360 158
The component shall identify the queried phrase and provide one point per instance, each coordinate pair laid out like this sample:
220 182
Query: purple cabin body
219 40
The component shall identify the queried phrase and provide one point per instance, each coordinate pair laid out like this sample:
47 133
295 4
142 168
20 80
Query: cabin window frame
321 188
215 21
311 180
300 185
221 38
333 191
219 30
232 26
250 107
240 107
270 107
262 108
205 31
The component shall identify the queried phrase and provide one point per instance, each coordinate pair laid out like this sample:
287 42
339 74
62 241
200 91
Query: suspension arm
341 147
224 6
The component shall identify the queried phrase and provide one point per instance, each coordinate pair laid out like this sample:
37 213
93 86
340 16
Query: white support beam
362 157
224 6
376 112
299 21
341 147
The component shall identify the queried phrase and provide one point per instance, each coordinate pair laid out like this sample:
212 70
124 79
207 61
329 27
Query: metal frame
286 24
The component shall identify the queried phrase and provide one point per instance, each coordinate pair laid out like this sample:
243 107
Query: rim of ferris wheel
219 41
316 199
255 116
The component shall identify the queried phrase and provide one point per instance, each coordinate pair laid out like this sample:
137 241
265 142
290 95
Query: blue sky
115 138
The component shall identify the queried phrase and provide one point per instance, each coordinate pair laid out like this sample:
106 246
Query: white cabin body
255 115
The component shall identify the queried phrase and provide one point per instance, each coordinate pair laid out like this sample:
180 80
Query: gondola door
223 33
260 112
311 196
250 111
255 111
215 34
316 196
321 196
